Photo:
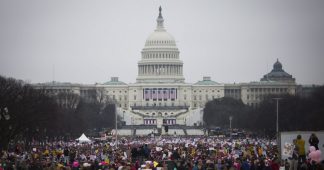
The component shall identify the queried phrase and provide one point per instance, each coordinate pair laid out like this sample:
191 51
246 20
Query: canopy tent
83 139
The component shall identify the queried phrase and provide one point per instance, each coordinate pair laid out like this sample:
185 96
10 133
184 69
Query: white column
177 70
154 69
168 69
164 69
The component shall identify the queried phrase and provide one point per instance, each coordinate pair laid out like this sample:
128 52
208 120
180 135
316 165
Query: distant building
278 74
160 95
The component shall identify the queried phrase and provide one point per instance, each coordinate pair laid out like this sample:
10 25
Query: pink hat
75 164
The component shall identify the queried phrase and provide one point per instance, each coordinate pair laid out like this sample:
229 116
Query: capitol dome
158 38
160 61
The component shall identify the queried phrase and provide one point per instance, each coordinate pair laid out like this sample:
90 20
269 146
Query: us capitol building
161 96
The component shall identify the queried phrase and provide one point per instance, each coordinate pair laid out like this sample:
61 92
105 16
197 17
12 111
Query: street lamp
277 123
230 119
116 127
277 119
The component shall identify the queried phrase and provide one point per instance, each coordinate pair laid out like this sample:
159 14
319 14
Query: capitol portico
161 96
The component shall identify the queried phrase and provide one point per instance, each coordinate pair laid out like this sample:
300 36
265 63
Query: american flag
160 94
165 93
147 94
154 94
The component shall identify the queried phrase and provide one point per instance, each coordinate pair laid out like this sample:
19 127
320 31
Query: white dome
160 57
160 38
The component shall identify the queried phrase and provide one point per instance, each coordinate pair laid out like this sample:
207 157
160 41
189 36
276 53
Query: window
134 97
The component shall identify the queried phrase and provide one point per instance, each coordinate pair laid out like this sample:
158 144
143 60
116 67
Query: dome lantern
160 20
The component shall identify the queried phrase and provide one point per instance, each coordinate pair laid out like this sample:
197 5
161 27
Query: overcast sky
90 41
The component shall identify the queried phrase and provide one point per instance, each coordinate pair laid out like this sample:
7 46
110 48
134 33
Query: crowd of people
160 153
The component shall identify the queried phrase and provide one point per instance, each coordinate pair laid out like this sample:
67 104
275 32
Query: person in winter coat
300 142
313 140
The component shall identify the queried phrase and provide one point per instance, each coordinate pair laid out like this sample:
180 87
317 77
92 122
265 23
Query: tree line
31 114
295 113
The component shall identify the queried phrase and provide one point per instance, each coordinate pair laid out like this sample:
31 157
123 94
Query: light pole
277 124
230 119
116 126
277 119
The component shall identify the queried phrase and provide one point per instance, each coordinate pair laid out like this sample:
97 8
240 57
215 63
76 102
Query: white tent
83 139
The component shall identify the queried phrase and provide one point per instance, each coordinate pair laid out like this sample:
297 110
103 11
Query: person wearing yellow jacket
300 142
